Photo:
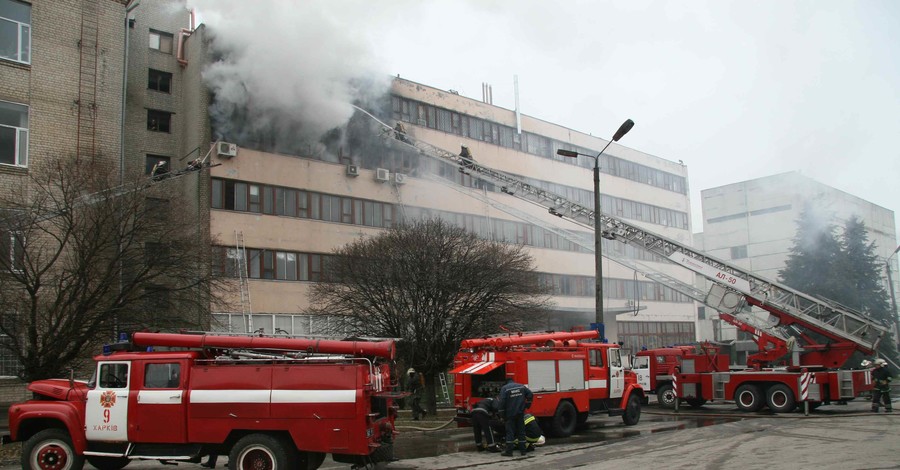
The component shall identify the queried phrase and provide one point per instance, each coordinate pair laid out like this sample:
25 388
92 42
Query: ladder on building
792 308
240 260
88 64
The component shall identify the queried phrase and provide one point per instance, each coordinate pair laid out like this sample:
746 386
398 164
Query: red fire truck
570 376
267 402
655 369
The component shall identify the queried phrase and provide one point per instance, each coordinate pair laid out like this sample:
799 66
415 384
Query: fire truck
655 369
266 402
804 341
570 376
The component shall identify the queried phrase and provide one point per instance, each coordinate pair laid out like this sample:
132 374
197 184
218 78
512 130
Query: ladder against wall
240 260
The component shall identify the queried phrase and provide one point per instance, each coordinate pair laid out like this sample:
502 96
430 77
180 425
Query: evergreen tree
812 265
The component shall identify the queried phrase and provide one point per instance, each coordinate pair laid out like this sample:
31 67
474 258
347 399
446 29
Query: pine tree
812 265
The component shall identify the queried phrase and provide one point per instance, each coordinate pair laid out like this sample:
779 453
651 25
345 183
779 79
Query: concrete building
61 69
752 224
290 211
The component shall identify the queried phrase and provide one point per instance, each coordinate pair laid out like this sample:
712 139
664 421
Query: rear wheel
665 395
108 463
748 397
51 449
780 398
564 419
632 413
262 452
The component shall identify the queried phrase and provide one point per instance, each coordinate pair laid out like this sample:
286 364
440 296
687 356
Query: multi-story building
752 224
292 210
61 69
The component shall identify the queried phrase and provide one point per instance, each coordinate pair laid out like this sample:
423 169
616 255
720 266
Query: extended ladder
791 307
240 260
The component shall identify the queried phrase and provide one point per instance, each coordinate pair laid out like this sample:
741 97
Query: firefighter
533 435
882 377
514 399
466 160
483 413
400 133
414 387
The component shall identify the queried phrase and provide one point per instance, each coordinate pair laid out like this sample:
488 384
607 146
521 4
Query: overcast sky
736 89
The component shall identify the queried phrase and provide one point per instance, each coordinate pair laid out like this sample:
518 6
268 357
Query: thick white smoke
286 72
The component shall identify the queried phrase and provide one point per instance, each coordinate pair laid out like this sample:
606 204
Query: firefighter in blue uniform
514 399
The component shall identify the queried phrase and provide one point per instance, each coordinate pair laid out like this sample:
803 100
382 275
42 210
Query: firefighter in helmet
483 413
414 386
882 392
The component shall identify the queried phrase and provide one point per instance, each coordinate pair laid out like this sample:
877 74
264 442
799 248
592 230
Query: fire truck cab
570 379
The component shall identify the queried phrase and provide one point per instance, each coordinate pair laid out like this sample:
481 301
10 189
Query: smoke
285 73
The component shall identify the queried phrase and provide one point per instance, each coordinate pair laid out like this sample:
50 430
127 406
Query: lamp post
887 267
609 324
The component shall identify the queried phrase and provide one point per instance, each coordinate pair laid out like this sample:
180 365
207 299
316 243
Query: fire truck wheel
632 413
665 396
262 452
108 463
748 398
51 449
780 399
564 420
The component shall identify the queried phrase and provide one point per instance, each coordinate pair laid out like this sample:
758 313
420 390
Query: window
13 133
162 375
113 375
15 31
159 81
161 41
153 160
739 252
158 121
12 251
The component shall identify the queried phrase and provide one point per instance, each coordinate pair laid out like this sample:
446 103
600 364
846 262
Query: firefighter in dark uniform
533 434
882 377
482 414
514 399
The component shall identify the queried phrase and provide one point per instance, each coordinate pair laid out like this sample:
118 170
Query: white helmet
411 371
880 362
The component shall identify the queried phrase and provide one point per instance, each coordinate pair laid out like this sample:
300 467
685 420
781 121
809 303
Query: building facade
752 224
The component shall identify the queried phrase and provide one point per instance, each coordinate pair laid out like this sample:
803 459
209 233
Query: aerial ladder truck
817 336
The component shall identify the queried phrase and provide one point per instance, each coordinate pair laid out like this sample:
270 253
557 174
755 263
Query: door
160 411
641 368
616 374
107 402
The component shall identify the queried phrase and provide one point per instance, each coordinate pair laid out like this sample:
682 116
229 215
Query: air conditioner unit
399 178
382 174
227 150
352 170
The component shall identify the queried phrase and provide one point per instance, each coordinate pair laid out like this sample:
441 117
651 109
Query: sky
735 89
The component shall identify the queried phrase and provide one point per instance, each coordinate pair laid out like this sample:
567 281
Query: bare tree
432 285
82 257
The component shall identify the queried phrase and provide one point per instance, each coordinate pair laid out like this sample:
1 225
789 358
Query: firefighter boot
508 451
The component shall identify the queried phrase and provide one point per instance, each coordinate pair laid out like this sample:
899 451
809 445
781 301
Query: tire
108 463
51 449
632 413
780 398
310 460
564 420
748 398
696 402
665 396
262 452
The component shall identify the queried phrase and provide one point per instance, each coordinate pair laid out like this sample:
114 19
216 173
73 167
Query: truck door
106 412
641 368
616 374
160 411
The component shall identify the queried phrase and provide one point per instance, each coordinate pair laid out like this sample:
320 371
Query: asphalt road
834 437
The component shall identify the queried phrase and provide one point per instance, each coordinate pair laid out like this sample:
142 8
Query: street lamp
609 324
887 267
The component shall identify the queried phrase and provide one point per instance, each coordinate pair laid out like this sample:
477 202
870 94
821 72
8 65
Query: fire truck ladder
792 308
240 261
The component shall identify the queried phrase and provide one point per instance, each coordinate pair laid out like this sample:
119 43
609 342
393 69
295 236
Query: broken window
158 121
159 81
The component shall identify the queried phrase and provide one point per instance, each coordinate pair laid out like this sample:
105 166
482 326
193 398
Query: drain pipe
132 4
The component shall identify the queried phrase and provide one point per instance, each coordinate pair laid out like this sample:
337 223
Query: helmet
411 371
880 362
